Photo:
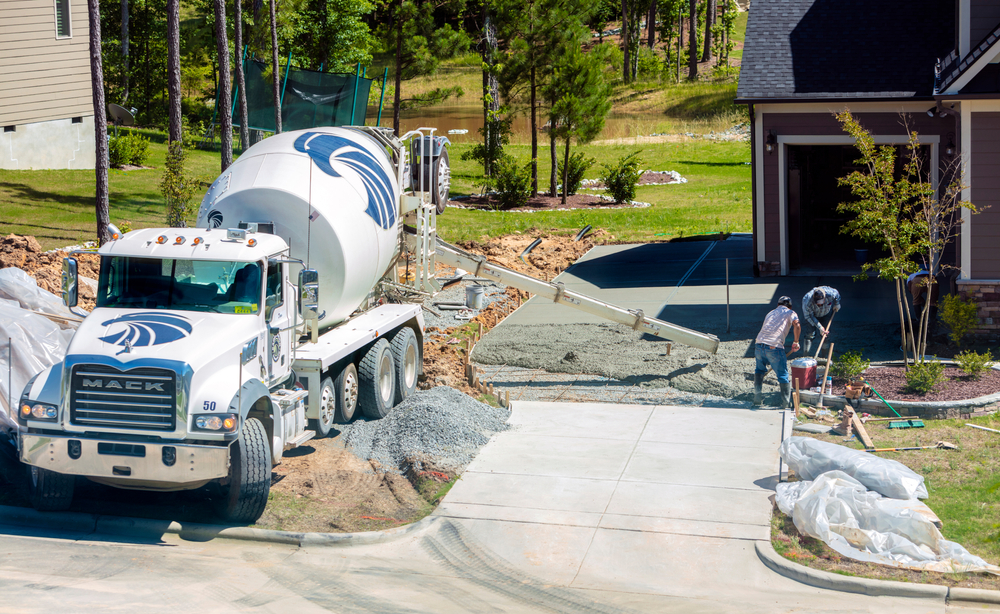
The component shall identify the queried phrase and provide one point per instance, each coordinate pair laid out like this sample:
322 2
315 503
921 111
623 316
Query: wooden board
859 428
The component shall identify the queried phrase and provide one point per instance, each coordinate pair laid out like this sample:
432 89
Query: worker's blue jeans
776 358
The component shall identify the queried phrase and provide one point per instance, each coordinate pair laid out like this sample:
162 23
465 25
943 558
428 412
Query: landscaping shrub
973 363
513 183
622 177
578 165
924 377
959 315
128 148
850 366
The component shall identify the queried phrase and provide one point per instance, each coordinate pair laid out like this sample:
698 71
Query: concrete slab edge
867 586
77 522
839 402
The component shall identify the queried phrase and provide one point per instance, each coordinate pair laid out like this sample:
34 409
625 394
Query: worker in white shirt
770 350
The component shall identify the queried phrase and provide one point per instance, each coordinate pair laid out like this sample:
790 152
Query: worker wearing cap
770 350
818 307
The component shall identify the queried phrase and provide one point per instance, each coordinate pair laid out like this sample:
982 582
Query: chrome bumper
121 460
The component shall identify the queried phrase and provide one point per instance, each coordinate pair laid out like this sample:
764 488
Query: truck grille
105 397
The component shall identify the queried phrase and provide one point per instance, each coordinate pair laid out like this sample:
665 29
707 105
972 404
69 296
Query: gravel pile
440 426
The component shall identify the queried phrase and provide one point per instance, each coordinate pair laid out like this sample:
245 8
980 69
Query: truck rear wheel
245 496
442 181
327 409
346 387
406 353
377 381
49 491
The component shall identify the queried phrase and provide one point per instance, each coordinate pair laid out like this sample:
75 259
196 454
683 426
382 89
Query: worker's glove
836 308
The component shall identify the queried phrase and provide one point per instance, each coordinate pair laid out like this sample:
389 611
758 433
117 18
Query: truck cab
181 376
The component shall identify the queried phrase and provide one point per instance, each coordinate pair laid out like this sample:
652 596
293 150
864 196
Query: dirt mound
24 252
552 256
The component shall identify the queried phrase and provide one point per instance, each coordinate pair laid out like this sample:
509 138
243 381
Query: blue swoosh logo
330 150
147 328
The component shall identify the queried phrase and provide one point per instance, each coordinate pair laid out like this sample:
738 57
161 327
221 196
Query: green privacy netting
309 98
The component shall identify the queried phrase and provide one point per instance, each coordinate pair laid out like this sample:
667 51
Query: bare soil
24 252
956 386
542 203
805 550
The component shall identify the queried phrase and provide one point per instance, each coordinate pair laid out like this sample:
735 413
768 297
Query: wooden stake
826 374
669 347
862 433
507 395
795 397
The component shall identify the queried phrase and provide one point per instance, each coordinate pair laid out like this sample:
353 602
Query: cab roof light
179 241
197 241
251 242
161 239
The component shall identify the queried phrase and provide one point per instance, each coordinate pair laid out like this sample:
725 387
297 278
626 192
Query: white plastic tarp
865 526
809 458
29 341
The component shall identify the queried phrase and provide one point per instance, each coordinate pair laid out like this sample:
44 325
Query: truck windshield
189 285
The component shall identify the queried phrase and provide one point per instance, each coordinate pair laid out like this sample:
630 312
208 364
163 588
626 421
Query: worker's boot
786 394
758 389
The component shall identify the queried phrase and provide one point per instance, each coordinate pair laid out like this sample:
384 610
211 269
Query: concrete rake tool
944 445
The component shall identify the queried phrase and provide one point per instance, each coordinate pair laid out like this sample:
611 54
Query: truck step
301 439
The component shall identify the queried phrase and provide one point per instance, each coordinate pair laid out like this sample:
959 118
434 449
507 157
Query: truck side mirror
309 294
70 288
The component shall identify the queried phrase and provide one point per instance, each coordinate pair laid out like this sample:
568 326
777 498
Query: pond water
469 117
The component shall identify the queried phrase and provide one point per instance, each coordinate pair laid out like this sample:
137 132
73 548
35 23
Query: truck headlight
223 423
38 411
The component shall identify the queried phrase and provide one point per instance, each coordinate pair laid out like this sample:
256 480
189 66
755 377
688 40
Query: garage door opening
815 240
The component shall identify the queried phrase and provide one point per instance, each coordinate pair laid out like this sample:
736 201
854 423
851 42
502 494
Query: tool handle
823 338
880 396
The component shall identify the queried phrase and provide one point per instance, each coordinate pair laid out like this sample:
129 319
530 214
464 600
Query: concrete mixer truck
212 350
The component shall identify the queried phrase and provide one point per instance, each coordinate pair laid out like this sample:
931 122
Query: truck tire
377 375
49 491
327 409
442 181
245 496
407 355
346 388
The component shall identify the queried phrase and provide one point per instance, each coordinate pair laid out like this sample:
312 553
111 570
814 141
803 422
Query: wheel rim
385 378
443 180
327 406
410 366
350 392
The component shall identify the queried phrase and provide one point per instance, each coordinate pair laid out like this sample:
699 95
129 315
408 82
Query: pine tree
225 112
100 121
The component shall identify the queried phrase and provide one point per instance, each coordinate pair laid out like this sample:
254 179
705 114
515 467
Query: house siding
825 124
984 16
984 179
43 78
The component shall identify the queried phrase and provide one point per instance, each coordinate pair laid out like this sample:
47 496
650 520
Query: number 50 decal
209 405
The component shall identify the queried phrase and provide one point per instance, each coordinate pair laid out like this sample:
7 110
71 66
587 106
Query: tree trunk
693 40
706 55
125 50
534 135
491 87
399 69
100 122
651 25
680 38
173 69
241 84
225 98
553 160
275 72
626 64
565 177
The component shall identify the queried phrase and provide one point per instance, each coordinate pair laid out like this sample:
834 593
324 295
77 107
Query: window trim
69 19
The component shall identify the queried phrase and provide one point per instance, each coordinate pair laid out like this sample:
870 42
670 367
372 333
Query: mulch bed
891 383
542 203
647 178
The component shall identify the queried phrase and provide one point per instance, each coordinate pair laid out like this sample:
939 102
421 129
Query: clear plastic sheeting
865 526
17 285
809 458
28 341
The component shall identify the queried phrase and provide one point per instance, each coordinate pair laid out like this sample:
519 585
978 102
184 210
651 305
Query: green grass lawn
716 197
58 208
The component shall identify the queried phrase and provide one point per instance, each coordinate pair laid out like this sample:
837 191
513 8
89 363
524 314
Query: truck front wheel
245 496
49 491
378 380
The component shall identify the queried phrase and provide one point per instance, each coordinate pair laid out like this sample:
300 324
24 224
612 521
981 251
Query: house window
10 128
77 120
63 29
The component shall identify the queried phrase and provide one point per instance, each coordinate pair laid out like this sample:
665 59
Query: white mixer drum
332 195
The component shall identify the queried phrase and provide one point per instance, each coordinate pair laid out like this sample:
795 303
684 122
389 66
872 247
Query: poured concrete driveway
579 508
